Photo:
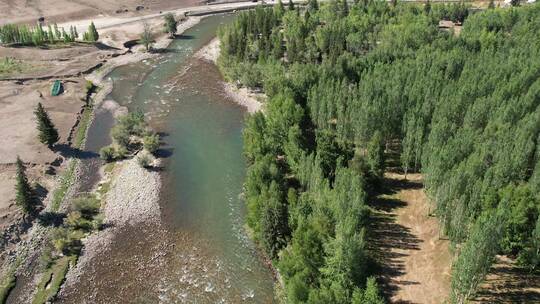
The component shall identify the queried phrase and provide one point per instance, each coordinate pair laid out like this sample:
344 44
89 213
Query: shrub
75 220
132 124
107 153
88 206
120 134
120 152
170 24
67 241
151 143
144 160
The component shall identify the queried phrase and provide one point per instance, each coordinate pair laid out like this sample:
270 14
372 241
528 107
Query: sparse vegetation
52 279
8 283
66 180
9 66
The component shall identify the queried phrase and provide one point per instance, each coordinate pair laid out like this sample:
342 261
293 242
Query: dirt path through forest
415 263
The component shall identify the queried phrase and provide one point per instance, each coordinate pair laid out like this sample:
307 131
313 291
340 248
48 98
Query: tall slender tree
92 34
24 196
146 37
47 132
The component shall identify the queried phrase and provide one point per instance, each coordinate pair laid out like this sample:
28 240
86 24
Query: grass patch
65 182
8 283
10 65
105 187
109 167
52 279
80 135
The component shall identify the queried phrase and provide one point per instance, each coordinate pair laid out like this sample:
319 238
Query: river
202 253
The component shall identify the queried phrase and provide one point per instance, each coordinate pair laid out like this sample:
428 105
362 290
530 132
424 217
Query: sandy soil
251 100
17 103
56 62
23 11
416 263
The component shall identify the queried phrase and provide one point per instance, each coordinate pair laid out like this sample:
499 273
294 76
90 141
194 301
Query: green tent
56 88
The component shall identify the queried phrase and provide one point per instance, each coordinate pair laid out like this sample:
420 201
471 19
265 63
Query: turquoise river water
203 254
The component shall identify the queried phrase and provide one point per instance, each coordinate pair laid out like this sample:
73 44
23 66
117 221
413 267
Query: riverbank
251 100
28 252
132 200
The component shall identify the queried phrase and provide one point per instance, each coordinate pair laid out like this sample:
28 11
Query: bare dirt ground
58 62
415 262
17 103
26 11
507 283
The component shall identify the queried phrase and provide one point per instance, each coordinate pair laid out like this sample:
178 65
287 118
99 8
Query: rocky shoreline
133 199
245 97
139 188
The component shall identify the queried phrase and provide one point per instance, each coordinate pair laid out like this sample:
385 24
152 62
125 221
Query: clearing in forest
415 262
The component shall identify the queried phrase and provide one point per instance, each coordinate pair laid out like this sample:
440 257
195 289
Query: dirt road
415 262
103 23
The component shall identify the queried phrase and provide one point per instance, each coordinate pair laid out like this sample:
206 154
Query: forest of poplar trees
346 84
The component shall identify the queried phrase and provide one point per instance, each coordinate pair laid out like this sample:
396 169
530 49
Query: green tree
24 195
375 155
427 7
170 25
274 225
47 132
146 37
312 6
476 257
92 34
530 256
368 296
279 9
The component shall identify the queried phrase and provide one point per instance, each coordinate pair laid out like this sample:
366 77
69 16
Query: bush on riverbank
130 134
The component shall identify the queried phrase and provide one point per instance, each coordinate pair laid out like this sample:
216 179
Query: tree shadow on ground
69 151
104 47
164 152
508 283
51 219
40 192
390 241
184 37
